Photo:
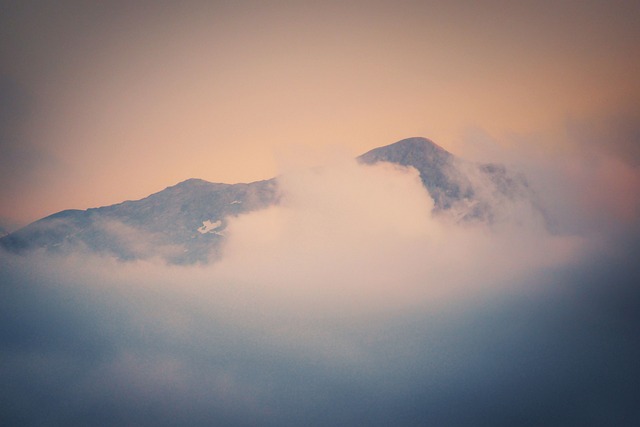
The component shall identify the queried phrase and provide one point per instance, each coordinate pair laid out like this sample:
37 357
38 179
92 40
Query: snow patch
210 227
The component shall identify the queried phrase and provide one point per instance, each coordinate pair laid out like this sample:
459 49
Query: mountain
181 224
469 191
185 223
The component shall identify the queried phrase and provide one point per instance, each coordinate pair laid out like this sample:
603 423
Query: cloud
359 235
585 172
349 303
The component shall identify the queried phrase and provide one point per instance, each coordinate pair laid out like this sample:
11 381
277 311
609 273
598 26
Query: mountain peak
416 151
185 223
415 142
412 147
431 161
192 182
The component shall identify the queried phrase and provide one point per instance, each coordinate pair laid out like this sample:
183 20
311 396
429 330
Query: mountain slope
181 224
432 161
469 191
185 223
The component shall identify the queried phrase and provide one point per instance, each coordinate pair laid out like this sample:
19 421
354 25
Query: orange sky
105 103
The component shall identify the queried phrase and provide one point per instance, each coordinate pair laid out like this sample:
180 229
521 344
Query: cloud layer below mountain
350 303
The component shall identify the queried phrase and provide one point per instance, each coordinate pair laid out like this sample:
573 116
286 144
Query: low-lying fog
348 304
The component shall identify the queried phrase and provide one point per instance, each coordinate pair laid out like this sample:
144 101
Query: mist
350 303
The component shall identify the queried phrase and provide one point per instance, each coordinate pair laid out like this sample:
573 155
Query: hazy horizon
105 103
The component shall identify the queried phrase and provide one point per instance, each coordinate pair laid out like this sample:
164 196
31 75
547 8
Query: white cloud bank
347 240
349 301
359 236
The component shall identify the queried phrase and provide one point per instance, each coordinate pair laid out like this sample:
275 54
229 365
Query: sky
105 102
351 302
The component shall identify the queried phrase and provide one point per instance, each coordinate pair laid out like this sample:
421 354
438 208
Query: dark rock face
185 223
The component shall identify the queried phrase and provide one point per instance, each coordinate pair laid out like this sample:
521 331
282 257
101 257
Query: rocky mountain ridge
185 223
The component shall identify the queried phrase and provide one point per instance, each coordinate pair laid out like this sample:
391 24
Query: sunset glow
114 102
320 213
